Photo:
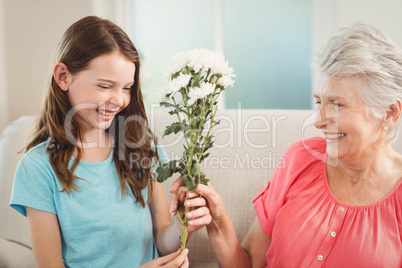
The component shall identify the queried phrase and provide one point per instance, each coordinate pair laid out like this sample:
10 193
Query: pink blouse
311 228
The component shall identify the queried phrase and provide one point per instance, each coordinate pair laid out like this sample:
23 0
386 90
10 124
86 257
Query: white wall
330 15
32 30
29 32
3 83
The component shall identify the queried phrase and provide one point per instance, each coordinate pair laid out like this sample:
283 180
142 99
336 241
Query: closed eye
129 87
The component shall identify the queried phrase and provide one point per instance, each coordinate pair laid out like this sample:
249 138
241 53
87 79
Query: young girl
86 180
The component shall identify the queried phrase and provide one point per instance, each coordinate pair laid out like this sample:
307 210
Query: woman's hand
205 204
173 260
221 232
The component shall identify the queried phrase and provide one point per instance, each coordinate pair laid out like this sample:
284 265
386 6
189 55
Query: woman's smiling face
351 131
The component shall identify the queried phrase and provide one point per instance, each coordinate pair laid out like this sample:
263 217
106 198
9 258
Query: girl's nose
117 98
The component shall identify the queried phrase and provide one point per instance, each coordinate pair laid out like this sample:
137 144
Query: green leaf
204 156
208 146
195 169
215 123
173 128
171 112
203 180
176 108
166 170
208 113
188 180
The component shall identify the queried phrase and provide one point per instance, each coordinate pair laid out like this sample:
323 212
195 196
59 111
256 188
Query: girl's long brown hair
133 154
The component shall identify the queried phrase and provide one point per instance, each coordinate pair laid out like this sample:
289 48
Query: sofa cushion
12 225
13 254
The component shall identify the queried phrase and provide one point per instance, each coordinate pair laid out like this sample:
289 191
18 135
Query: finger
176 184
168 258
182 194
175 197
209 194
202 221
173 204
185 264
178 261
192 194
200 212
196 202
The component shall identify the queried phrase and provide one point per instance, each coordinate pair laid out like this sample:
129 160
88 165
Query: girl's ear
61 76
394 113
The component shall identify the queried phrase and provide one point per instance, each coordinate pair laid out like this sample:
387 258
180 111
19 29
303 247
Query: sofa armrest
13 254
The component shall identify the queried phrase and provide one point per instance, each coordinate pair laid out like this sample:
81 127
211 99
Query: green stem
198 171
178 117
184 222
194 142
183 238
209 130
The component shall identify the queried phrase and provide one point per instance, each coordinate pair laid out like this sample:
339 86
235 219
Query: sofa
248 147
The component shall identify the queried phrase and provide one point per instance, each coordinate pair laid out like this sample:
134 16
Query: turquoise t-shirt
97 227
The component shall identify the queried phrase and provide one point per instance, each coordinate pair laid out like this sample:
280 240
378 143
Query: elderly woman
338 202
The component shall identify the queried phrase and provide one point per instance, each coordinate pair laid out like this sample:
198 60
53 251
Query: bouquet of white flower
196 78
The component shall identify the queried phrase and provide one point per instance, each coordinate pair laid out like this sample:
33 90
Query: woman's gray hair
364 51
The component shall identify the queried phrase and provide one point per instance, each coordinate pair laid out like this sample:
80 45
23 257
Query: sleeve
296 159
163 156
32 187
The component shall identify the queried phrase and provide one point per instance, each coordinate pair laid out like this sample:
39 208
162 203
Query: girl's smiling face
101 91
351 131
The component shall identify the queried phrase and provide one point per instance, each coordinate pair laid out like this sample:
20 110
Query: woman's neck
366 181
368 166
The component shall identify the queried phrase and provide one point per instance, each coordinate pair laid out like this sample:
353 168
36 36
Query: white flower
173 85
196 61
181 81
176 63
201 92
195 58
222 67
180 102
225 81
164 94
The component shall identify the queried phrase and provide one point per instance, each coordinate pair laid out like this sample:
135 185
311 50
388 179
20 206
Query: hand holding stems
196 211
221 231
173 260
203 194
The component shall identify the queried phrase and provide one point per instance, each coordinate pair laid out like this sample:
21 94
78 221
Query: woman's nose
321 119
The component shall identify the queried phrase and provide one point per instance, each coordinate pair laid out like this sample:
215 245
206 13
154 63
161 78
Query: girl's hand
173 260
199 214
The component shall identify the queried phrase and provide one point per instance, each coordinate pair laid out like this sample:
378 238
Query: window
267 42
